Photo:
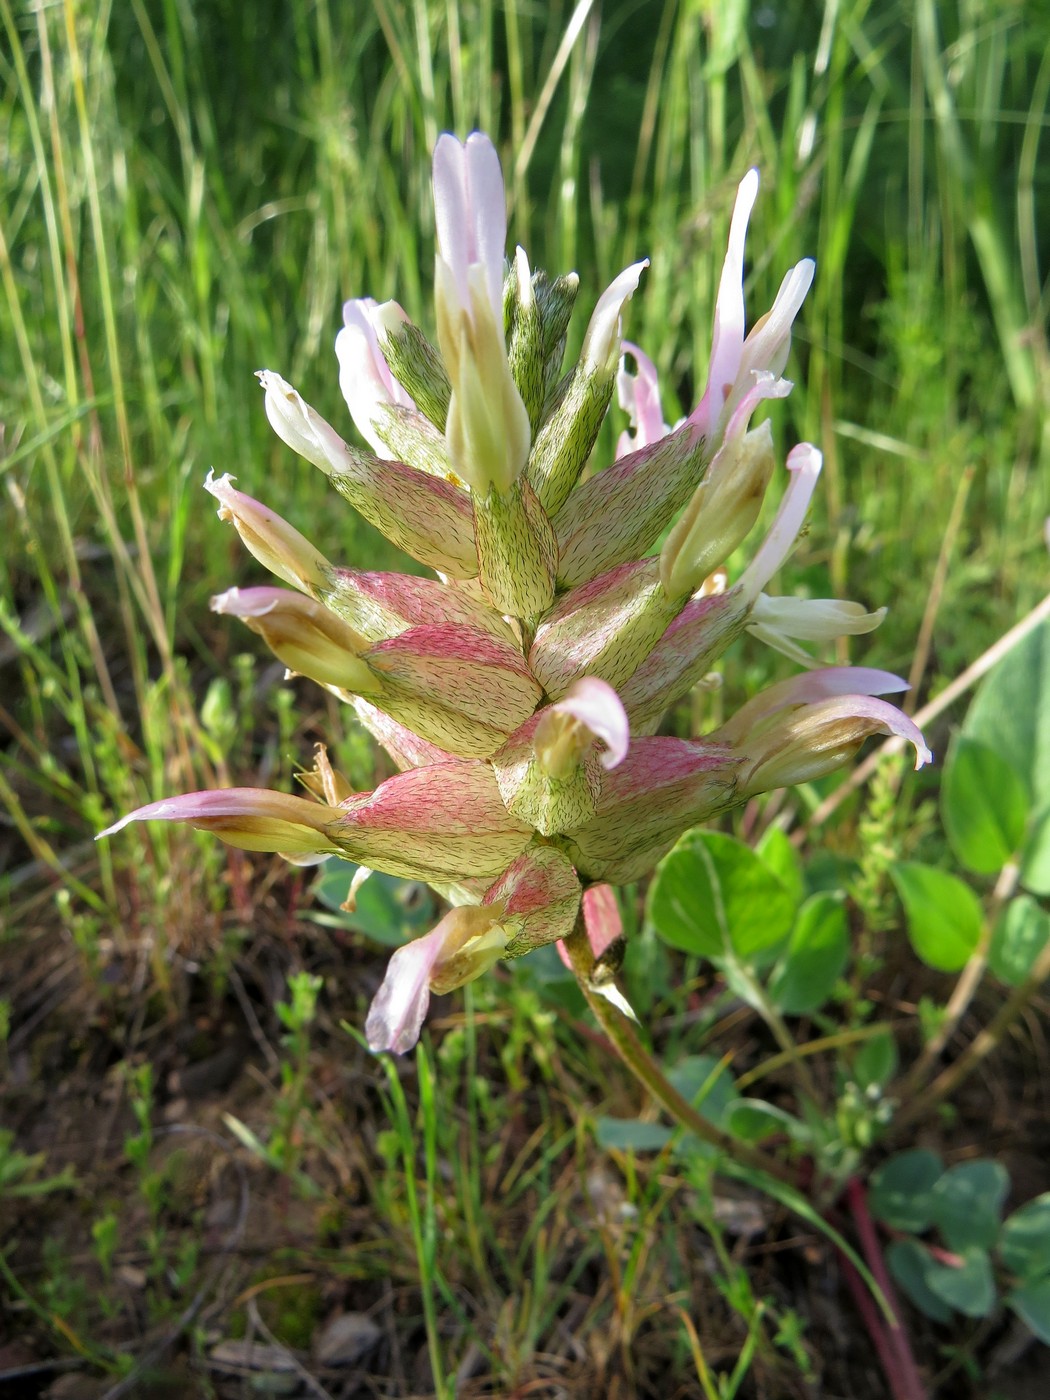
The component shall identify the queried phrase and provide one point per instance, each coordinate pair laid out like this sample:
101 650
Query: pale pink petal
470 213
889 719
489 204
766 348
807 689
804 462
815 619
728 340
602 920
253 819
639 396
601 344
364 375
595 704
765 386
398 1008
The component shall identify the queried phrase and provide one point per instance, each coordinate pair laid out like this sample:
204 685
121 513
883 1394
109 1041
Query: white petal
601 344
597 706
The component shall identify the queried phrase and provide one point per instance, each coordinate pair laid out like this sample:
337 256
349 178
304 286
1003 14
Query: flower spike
519 693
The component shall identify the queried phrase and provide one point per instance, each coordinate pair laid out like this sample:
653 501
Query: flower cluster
519 692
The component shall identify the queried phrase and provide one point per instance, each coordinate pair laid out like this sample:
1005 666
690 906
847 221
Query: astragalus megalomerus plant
518 692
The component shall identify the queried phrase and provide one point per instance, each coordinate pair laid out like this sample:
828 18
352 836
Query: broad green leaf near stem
1011 713
967 1286
943 915
968 1202
984 806
815 958
875 1062
1031 1303
1024 1241
1021 934
908 1262
901 1193
776 851
388 910
714 897
1035 858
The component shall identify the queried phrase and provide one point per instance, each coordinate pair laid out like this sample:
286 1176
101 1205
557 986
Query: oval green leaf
1031 1303
908 1261
875 1062
714 897
1011 712
943 915
776 851
754 1120
631 1135
1035 859
1024 1241
984 806
804 978
707 1083
901 1190
968 1286
968 1204
1021 934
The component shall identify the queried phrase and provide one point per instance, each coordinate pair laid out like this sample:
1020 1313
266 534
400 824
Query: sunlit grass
190 192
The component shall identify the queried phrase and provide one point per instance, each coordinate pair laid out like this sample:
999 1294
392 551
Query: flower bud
721 514
550 770
619 513
525 340
465 944
605 628
305 635
275 543
299 426
803 744
365 377
422 513
517 550
566 439
487 428
253 819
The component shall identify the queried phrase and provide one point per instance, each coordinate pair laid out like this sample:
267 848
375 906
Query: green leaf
714 897
901 1190
1021 934
875 1063
907 1261
631 1135
1024 1241
1011 712
753 1120
804 978
389 910
1031 1303
1035 859
777 852
984 806
968 1287
968 1202
943 915
707 1084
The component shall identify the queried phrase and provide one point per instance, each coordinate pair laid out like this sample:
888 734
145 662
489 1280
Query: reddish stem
891 1340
